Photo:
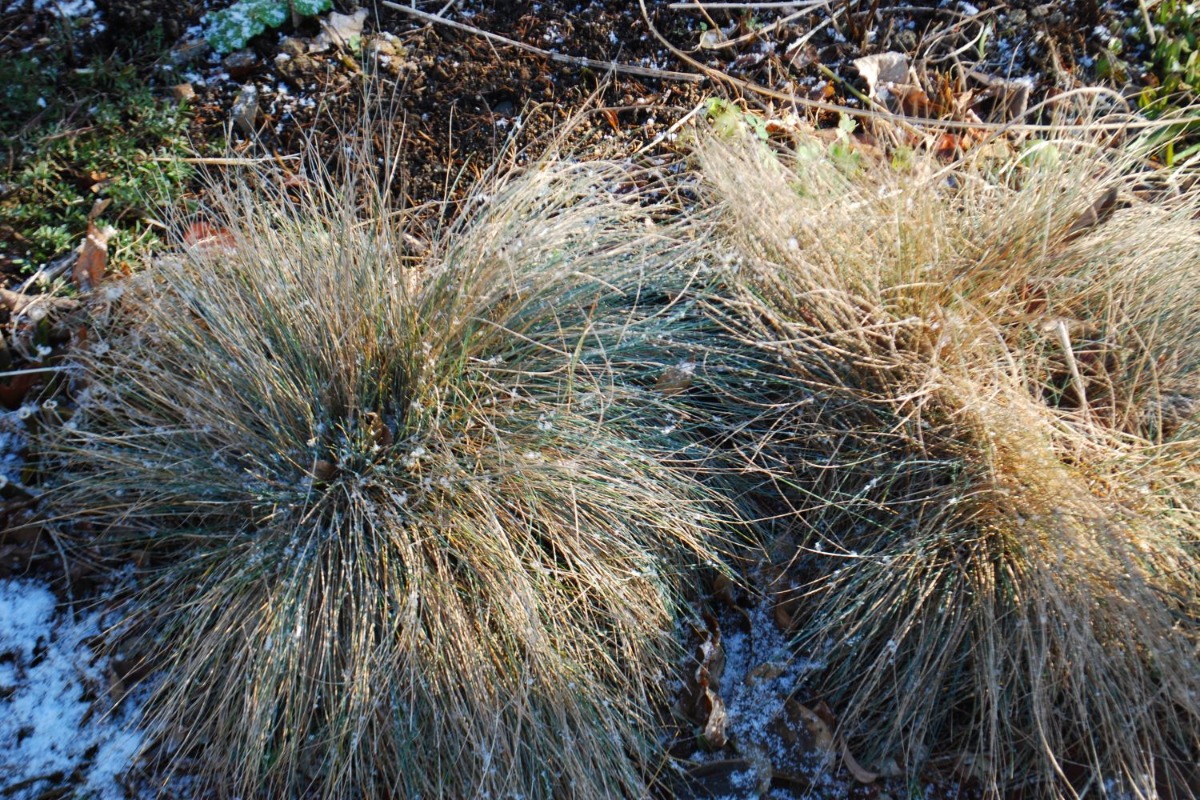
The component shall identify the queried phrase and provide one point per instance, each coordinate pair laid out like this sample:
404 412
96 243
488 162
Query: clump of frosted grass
406 535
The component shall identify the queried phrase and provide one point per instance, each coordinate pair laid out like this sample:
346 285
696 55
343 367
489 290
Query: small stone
240 63
245 109
295 68
293 47
187 52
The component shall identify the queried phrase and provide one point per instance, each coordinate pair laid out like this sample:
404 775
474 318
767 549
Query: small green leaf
310 8
232 28
846 125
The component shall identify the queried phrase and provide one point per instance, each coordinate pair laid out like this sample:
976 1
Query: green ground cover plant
72 136
232 28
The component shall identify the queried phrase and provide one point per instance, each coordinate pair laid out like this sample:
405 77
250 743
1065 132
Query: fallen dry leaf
882 69
822 734
14 388
915 103
1096 214
339 30
949 146
725 778
203 236
714 736
93 257
856 770
1002 99
702 701
676 379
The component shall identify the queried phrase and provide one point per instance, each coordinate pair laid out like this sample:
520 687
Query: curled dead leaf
381 434
881 69
1096 214
822 734
856 770
786 611
801 730
702 701
93 258
715 736
676 378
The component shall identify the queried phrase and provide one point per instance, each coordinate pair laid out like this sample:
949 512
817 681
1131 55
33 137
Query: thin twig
225 162
1064 340
576 61
764 30
673 129
49 272
726 5
15 372
19 303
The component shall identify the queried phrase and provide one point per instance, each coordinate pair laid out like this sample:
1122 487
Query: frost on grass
53 734
989 451
394 535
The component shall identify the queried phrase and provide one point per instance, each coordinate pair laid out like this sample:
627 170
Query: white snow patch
53 733
13 442
63 8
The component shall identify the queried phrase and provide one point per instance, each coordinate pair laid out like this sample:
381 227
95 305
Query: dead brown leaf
14 389
714 736
202 235
725 778
93 258
1096 214
881 69
856 770
702 699
676 378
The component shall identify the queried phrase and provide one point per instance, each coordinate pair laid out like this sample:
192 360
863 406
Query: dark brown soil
460 97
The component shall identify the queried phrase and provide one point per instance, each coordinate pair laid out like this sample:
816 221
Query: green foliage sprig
232 28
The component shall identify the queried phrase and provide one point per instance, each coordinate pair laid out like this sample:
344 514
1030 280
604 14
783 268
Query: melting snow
52 733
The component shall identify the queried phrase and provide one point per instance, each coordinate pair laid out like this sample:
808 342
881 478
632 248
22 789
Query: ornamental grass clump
988 452
405 534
